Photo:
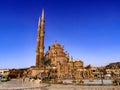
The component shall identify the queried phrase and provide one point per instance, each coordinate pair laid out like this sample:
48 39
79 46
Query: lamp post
101 75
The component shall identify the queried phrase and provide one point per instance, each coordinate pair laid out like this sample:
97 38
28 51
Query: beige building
4 71
115 71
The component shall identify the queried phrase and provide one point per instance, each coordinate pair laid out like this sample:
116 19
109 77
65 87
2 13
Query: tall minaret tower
40 41
42 37
38 44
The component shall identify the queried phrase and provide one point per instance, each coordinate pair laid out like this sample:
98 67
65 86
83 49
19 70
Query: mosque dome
56 44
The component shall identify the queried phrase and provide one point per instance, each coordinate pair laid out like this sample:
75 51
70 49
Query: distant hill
115 65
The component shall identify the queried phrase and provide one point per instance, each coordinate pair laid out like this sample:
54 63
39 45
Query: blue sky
89 30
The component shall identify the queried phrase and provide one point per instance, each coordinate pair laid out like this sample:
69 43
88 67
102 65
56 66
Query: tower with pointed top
40 41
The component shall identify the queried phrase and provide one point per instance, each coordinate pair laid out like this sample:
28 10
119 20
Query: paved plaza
16 84
77 87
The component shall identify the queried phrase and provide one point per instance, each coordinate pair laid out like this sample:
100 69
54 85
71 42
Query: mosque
61 63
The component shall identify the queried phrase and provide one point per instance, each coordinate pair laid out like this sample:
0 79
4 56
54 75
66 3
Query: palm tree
46 62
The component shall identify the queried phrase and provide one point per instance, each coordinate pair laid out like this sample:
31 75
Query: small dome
56 44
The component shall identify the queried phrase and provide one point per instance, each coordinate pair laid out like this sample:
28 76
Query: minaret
38 44
40 41
42 35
